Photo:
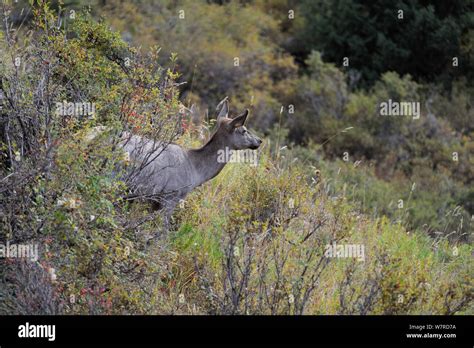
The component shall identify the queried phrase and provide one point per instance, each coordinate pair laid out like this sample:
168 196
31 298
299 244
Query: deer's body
169 172
174 172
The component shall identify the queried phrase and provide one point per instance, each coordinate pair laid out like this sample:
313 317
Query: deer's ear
223 108
239 121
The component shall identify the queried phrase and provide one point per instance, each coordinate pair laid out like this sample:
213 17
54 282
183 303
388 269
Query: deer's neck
205 160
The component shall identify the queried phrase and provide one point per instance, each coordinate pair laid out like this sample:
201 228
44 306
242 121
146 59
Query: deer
172 172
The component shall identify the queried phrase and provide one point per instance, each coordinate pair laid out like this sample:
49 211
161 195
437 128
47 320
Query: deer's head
232 131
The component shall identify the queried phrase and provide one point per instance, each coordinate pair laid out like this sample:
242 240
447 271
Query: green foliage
73 203
253 240
234 50
373 32
257 240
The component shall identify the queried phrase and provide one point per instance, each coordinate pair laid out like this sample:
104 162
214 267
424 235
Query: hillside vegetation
332 171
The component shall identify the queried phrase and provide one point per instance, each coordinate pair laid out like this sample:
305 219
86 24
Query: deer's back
159 168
